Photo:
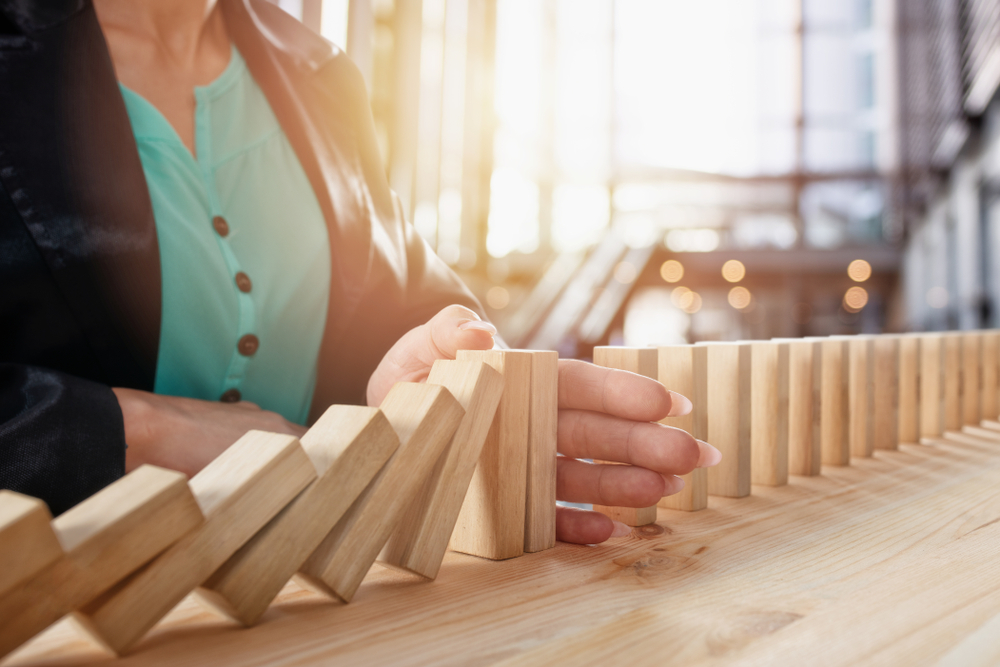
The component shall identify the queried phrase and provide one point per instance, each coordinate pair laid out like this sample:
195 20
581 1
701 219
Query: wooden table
894 560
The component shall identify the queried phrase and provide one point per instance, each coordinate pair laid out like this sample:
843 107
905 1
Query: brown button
248 345
220 225
243 282
231 396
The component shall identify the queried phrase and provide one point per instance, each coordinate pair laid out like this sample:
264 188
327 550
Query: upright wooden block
931 385
641 360
105 538
727 372
421 540
238 492
804 456
990 343
27 542
972 408
860 395
348 446
676 371
951 378
885 392
491 523
769 413
540 501
425 418
909 388
834 399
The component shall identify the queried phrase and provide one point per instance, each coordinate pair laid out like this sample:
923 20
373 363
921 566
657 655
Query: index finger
584 386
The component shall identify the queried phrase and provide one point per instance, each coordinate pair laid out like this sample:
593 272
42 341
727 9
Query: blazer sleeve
62 438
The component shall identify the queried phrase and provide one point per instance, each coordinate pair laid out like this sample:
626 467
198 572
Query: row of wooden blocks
397 484
789 406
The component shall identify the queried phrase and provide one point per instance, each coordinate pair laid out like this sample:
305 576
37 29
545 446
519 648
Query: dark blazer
79 262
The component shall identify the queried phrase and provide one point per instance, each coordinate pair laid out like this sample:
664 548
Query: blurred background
658 171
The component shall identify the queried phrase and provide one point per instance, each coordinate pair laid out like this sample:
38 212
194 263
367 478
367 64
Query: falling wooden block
105 538
421 540
972 408
677 372
238 492
540 500
909 389
727 369
804 456
833 396
425 417
885 392
931 403
951 379
348 446
989 396
769 413
491 523
27 542
640 360
860 395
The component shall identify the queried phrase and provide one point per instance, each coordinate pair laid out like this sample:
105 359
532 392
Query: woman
193 212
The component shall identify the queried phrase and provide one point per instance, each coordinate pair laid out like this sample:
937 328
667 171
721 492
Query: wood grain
238 492
27 542
728 414
972 407
890 561
769 413
491 523
105 538
885 390
347 446
640 360
540 500
990 343
909 389
804 456
834 422
860 395
425 417
676 371
931 384
951 378
421 540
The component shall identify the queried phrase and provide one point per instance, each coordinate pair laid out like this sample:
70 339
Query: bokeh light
855 299
733 271
625 273
678 296
859 270
691 302
497 298
740 297
672 271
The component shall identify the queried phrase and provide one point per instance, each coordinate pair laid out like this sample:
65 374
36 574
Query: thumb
454 328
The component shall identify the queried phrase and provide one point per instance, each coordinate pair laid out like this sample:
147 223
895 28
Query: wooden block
491 523
990 343
676 371
425 418
909 389
421 540
105 538
238 492
972 408
885 392
835 446
804 456
348 446
540 501
727 371
640 360
860 395
951 374
769 413
930 383
27 542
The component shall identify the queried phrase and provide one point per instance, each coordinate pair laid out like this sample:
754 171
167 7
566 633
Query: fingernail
710 456
621 530
478 325
674 484
680 405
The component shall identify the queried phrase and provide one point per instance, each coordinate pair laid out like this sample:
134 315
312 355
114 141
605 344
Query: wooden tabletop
894 560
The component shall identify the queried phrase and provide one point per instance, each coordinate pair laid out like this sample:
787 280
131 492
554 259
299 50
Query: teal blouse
244 250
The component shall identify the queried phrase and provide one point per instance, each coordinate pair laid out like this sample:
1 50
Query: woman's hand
186 434
604 414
